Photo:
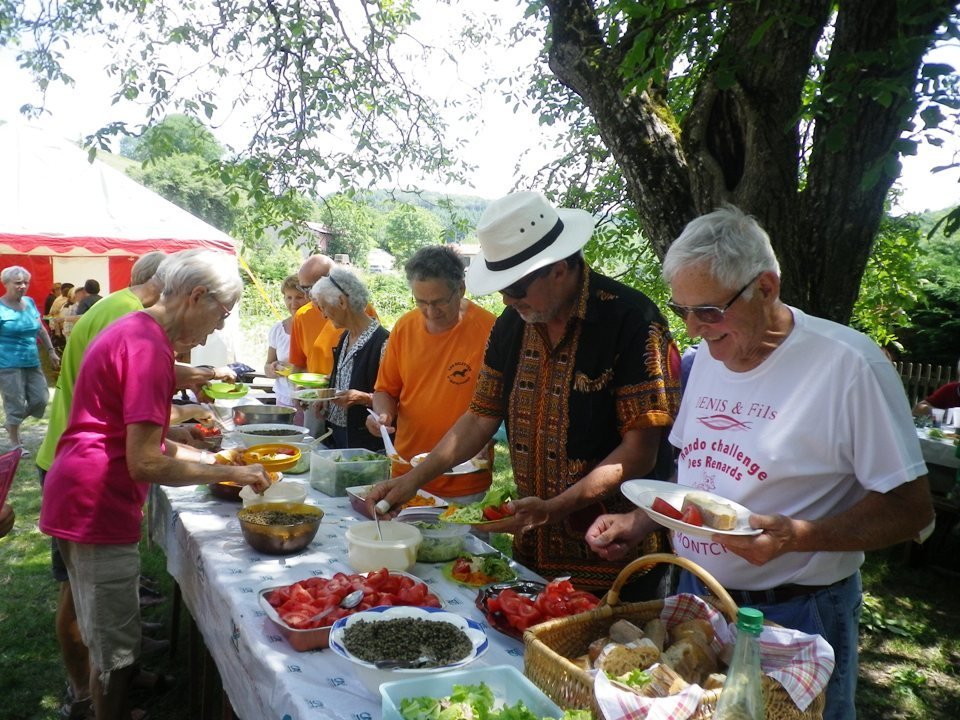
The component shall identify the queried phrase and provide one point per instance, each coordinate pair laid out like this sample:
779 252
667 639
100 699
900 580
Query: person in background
801 420
92 289
51 297
429 371
115 447
278 342
586 374
23 385
943 398
343 298
68 313
56 321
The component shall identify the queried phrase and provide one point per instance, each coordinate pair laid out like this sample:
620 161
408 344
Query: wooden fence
921 379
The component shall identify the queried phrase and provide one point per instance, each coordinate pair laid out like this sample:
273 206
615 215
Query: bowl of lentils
396 643
279 528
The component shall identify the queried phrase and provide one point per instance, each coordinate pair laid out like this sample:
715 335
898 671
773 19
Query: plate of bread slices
692 511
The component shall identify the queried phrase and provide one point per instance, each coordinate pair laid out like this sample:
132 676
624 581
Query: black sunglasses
518 290
709 314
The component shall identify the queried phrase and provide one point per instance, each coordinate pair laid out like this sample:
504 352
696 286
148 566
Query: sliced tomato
377 578
430 600
692 516
664 508
300 594
492 513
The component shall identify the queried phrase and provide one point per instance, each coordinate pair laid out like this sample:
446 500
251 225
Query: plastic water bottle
742 695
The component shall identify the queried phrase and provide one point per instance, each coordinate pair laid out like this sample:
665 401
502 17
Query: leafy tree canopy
175 135
408 228
795 111
354 224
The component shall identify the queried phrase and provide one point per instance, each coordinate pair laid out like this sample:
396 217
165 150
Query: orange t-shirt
432 377
313 338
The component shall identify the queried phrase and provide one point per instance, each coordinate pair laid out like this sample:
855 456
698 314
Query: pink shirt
126 377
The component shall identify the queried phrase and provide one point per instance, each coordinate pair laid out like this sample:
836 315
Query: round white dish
642 493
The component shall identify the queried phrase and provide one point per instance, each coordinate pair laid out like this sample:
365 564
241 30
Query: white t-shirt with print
819 423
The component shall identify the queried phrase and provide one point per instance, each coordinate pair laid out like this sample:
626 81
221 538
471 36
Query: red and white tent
66 219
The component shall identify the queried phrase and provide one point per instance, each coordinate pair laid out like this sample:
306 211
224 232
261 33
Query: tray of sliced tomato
513 607
292 607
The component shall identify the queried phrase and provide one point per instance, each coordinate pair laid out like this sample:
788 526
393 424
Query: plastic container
442 541
280 492
303 464
274 457
506 682
333 471
397 551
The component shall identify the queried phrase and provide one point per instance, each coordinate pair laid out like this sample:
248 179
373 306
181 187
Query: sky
494 142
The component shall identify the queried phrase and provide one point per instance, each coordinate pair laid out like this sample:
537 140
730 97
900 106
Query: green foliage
407 228
390 296
355 226
187 181
174 135
891 283
271 260
875 619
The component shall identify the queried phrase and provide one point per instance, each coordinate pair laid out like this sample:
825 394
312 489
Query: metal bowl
260 414
280 539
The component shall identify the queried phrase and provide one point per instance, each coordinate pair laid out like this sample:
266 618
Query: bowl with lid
441 541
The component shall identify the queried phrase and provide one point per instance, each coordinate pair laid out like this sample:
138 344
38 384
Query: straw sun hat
520 233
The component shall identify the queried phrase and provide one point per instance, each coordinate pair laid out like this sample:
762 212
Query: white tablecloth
220 576
938 452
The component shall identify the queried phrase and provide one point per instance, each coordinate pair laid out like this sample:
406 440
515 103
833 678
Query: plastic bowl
373 677
279 492
264 433
506 682
225 390
280 539
303 464
442 541
309 380
225 490
259 414
397 551
275 457
333 471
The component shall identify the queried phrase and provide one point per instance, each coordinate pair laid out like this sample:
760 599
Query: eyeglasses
305 289
709 314
519 289
223 308
434 304
337 286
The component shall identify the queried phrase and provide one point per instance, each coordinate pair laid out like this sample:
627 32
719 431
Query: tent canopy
55 204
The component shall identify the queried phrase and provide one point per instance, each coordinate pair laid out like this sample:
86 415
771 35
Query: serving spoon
350 600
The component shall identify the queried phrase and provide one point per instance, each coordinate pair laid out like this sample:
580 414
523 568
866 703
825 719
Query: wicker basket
549 645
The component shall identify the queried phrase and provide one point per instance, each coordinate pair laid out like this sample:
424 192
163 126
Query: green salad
473 513
473 702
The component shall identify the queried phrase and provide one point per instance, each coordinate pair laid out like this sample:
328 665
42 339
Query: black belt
779 594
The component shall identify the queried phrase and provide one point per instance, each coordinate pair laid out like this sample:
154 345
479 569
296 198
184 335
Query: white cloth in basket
801 663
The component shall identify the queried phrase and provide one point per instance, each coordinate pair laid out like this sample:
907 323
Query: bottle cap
750 620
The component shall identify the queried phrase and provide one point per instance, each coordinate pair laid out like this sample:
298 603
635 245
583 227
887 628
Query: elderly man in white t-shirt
801 420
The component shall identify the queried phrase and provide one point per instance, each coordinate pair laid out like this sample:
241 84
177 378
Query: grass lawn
910 633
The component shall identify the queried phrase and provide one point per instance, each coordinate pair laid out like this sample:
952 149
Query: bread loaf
691 659
624 631
697 628
664 682
656 632
715 514
618 658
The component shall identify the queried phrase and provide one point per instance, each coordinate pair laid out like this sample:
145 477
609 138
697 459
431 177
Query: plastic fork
387 442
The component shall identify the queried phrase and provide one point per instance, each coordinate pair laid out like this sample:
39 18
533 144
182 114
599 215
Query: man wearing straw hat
585 373
797 418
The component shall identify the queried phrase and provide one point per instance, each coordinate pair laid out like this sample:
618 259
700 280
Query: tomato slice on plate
664 508
692 516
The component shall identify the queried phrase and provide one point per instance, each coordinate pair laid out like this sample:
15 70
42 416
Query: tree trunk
741 139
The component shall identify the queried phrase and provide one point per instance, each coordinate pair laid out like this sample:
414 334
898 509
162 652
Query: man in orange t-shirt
309 321
430 366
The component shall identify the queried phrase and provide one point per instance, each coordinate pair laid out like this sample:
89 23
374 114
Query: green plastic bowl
225 390
309 380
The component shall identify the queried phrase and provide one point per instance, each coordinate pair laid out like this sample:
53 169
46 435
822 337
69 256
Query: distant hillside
451 210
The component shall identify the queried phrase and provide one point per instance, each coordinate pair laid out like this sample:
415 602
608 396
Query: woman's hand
346 398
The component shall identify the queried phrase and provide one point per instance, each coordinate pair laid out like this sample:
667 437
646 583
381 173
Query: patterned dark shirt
615 369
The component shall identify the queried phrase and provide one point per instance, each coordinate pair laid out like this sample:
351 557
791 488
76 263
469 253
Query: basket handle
728 605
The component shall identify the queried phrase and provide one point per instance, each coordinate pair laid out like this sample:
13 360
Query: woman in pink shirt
115 447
